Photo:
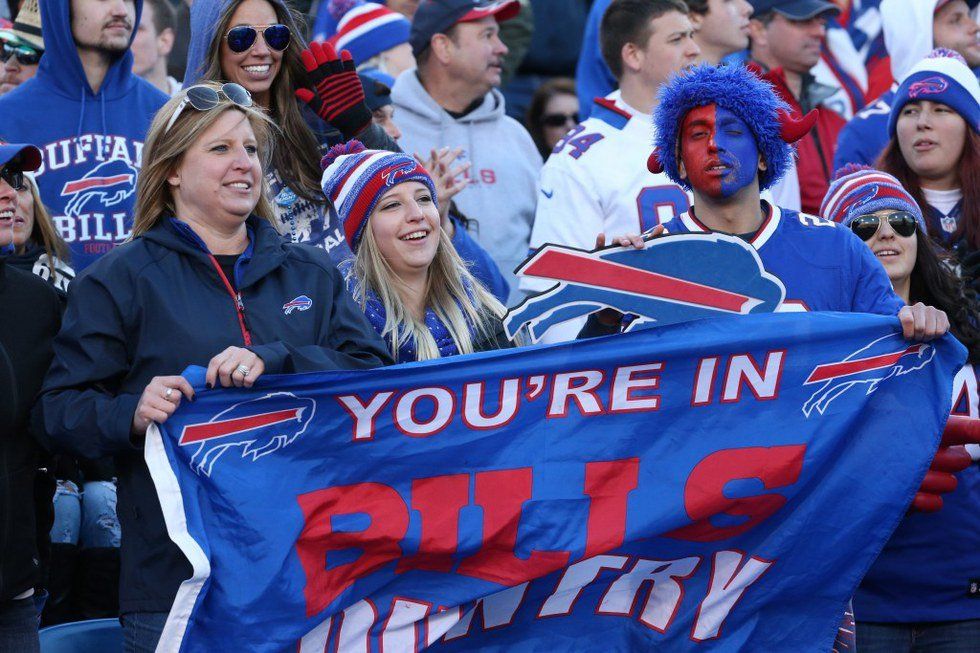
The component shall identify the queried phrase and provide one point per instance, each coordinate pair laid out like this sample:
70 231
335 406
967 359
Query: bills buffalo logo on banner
674 279
869 366
108 184
301 303
927 86
259 426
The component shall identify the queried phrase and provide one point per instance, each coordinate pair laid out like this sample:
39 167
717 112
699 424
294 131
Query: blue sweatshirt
91 143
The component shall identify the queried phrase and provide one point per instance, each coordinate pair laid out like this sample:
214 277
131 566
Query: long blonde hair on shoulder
164 150
457 298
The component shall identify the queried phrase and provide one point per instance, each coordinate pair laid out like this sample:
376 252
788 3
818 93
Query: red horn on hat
792 129
653 163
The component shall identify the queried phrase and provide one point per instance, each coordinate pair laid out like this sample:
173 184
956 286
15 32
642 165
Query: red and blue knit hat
860 190
366 29
355 178
942 77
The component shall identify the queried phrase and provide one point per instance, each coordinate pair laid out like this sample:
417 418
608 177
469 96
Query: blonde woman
37 246
205 280
406 275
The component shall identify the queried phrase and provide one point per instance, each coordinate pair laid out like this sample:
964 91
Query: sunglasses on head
205 98
559 119
24 55
866 226
13 176
242 37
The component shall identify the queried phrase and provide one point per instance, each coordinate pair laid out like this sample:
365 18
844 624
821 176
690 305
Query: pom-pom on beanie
366 29
731 87
860 190
355 179
941 77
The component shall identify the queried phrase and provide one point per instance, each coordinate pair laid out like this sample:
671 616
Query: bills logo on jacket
259 426
301 303
675 279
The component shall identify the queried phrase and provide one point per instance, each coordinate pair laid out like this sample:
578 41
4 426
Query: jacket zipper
235 297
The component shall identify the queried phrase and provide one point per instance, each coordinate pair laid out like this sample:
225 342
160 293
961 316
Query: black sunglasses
25 56
242 37
205 98
13 176
866 226
559 119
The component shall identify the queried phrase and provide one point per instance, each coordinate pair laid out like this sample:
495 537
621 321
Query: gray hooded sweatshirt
505 165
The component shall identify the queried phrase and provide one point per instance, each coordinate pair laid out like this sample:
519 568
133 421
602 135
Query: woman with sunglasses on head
202 282
935 152
552 113
258 44
406 275
917 595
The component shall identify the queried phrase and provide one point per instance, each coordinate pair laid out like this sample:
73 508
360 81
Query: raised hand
335 92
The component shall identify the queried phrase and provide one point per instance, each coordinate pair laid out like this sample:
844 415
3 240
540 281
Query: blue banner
718 485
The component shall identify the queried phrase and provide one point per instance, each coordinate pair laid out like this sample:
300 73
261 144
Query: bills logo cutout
301 303
107 184
869 366
259 426
674 279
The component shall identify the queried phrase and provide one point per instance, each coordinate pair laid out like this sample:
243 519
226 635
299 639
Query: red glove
339 96
950 459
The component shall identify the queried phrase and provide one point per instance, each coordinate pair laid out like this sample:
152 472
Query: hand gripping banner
717 485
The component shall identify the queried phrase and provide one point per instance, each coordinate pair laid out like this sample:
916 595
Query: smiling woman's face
405 226
257 67
897 253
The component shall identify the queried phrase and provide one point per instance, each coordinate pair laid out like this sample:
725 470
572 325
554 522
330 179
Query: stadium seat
94 636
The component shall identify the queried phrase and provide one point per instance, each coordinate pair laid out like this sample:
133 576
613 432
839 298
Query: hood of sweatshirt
205 16
907 27
412 97
91 142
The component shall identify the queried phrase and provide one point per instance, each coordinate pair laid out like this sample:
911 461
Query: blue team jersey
930 568
823 265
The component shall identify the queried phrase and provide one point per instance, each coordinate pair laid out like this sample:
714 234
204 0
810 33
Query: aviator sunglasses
25 56
242 37
866 226
205 98
13 176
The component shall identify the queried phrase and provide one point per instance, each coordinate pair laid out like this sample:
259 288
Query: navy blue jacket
156 305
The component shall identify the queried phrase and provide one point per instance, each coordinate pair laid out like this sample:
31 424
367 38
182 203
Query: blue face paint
718 150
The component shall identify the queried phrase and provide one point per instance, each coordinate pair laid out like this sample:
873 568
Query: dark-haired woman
259 44
935 152
920 594
552 113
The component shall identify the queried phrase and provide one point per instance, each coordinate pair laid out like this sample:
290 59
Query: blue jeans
18 626
87 517
142 630
937 637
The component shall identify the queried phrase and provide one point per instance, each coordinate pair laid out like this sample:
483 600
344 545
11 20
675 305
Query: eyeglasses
242 37
559 119
25 56
205 98
13 176
866 226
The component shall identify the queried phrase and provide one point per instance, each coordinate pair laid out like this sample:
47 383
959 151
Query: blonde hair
164 150
451 291
43 232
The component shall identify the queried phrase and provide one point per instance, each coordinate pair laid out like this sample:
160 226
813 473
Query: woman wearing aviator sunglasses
920 582
258 44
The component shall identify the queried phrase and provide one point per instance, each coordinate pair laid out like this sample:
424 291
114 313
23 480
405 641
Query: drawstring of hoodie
81 116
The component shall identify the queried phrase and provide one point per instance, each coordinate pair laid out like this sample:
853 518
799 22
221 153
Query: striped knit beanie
942 77
355 178
860 190
366 29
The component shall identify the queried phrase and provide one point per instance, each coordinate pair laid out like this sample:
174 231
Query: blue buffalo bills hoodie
91 143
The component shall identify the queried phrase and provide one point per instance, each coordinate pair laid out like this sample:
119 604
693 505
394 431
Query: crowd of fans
174 170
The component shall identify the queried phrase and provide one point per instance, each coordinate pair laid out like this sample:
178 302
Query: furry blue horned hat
740 91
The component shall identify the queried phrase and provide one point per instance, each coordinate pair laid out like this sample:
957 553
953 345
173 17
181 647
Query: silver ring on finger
169 393
243 370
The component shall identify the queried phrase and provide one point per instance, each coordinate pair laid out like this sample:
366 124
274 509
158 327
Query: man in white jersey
596 179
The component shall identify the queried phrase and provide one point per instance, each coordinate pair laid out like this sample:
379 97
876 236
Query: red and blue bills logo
301 303
108 184
674 279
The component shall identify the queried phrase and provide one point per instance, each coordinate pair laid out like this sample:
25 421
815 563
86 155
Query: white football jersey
596 181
